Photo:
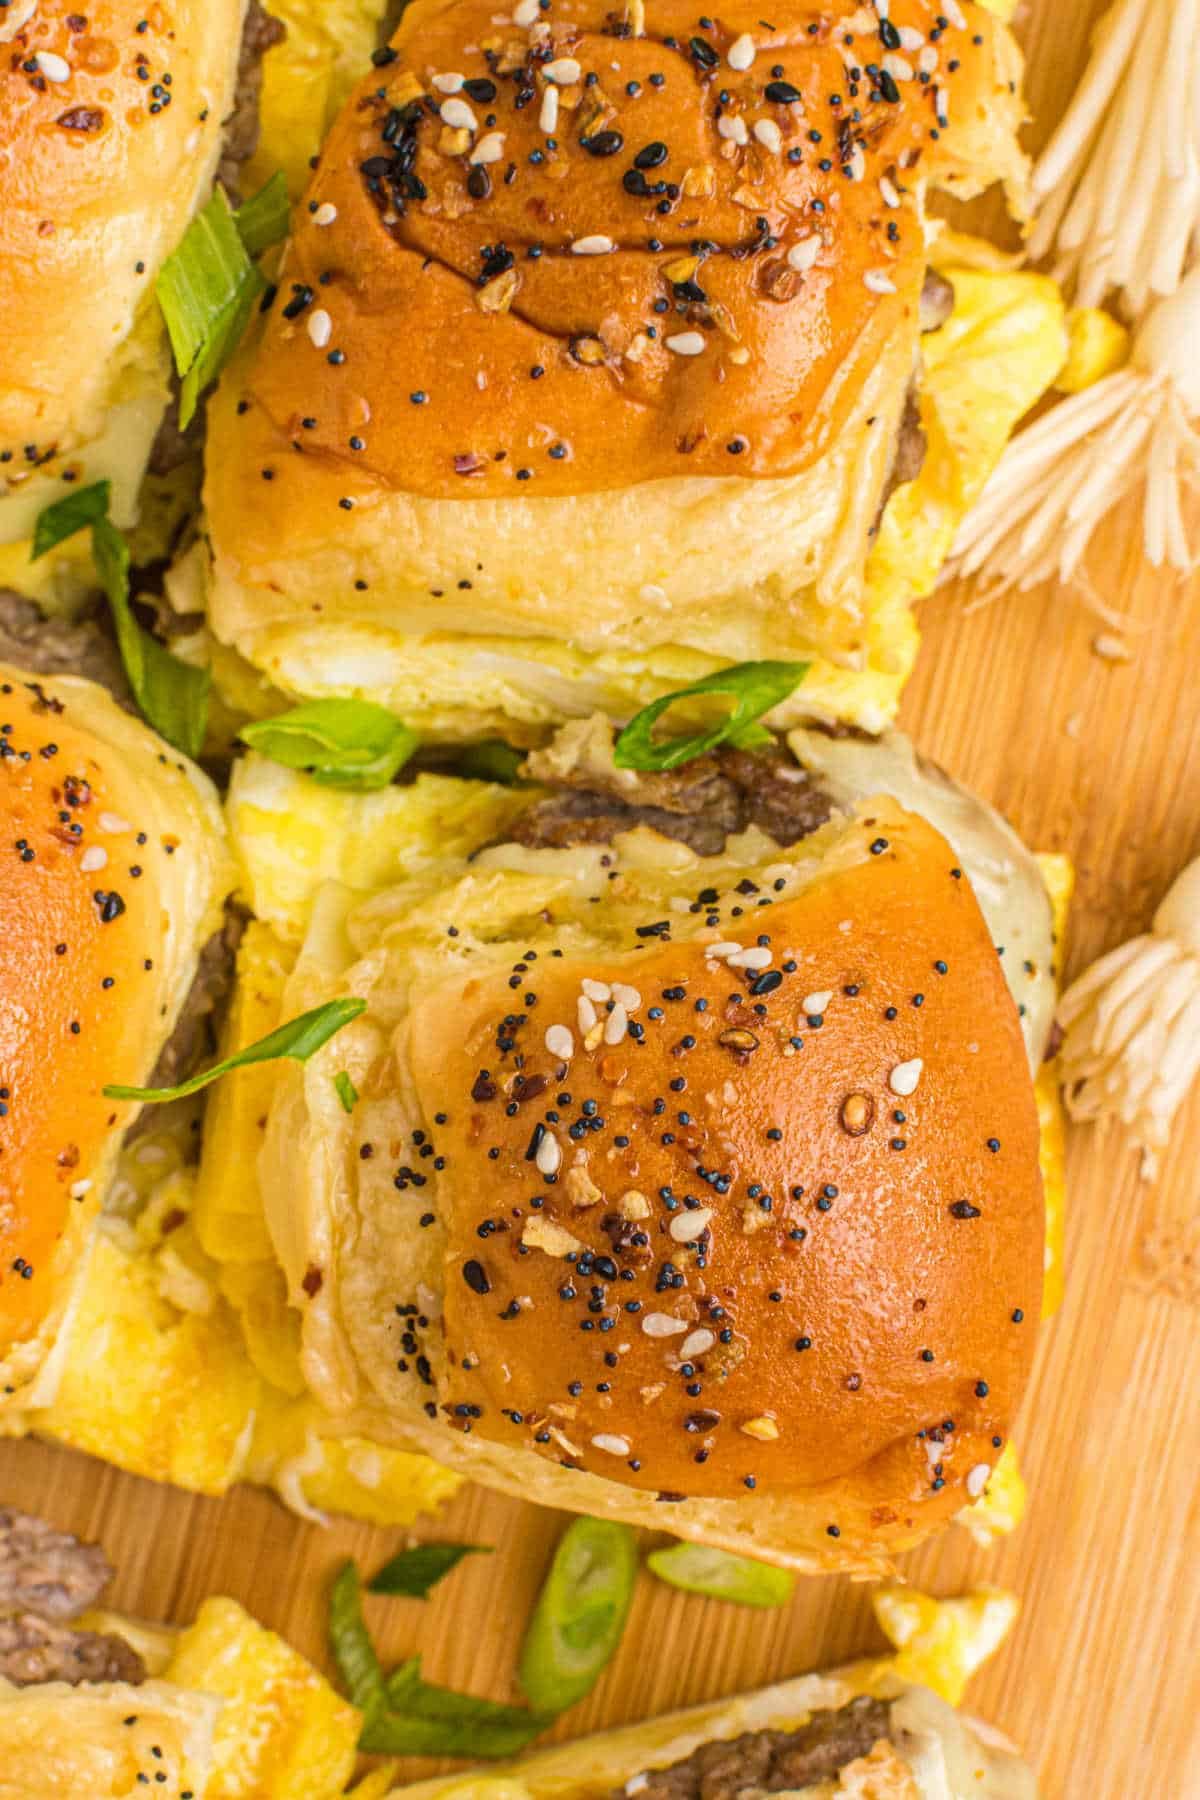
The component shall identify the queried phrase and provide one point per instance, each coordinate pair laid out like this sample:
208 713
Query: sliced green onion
346 1091
423 1720
65 517
580 1613
406 1716
172 695
699 1570
263 219
413 1572
351 1643
755 688
206 289
340 743
299 1039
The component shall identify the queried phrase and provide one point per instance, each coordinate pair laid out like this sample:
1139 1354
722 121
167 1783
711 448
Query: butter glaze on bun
634 383
743 1242
111 119
112 876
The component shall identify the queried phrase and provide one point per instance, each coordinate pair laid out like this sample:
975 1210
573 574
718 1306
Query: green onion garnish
755 688
580 1613
171 694
340 743
413 1572
299 1039
346 1091
406 1715
721 1576
208 286
56 523
263 219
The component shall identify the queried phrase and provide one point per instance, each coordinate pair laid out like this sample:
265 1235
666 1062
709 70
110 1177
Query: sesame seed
596 245
697 1342
447 84
879 282
53 67
815 1004
977 1479
741 52
548 1155
687 1226
612 1445
459 115
769 135
757 956
905 1076
616 1025
320 328
663 1325
548 117
325 214
686 343
803 255
489 149
560 1043
564 71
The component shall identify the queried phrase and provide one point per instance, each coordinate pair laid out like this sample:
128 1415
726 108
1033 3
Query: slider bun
95 190
958 1759
427 1237
597 502
88 993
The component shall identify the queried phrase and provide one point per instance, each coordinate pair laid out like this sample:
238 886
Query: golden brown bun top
110 864
448 338
795 1251
110 126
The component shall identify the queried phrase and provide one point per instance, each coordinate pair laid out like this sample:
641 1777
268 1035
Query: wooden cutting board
1101 1678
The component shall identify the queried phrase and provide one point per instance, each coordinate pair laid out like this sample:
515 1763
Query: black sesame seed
650 156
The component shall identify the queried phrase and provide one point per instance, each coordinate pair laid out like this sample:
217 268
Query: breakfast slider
113 879
683 1166
114 121
596 356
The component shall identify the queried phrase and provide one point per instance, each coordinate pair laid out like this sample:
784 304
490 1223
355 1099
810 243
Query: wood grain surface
1101 1677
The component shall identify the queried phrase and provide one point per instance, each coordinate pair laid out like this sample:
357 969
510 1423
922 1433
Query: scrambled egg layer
941 1643
306 79
282 1733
